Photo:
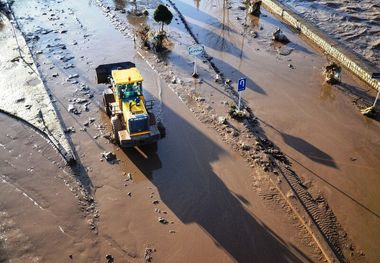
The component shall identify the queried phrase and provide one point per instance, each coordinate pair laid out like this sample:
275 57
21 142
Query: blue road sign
242 84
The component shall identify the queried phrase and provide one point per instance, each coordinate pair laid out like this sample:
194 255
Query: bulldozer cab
128 92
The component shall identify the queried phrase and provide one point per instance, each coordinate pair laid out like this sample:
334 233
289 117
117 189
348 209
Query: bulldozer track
318 210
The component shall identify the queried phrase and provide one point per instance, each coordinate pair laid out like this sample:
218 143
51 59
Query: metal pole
195 66
377 97
239 100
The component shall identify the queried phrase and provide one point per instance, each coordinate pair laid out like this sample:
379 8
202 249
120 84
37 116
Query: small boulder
162 220
222 120
279 36
108 156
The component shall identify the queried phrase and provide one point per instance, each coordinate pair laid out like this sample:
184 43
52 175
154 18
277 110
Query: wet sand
203 188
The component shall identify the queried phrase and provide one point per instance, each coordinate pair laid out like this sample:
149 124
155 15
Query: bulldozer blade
103 72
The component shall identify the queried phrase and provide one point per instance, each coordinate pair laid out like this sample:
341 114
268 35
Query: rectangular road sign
196 50
242 83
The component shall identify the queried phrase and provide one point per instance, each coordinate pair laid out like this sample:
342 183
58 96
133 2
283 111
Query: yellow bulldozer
132 119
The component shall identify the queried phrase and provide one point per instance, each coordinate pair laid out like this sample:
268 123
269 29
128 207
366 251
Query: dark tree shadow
308 150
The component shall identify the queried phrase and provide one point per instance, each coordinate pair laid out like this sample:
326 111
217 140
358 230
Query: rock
222 120
148 255
109 258
171 231
279 36
244 146
68 66
22 99
307 184
174 80
162 220
155 202
129 176
290 194
70 130
242 7
129 194
71 108
353 159
63 31
73 76
54 75
217 78
65 59
109 156
291 66
284 51
80 100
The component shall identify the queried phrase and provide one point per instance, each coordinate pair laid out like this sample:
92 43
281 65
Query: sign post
242 84
195 50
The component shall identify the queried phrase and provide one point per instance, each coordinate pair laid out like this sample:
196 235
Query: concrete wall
347 58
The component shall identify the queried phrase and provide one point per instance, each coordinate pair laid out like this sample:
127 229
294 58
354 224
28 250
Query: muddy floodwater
354 22
217 208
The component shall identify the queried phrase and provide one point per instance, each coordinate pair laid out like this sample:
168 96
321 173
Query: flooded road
316 125
356 23
194 181
40 212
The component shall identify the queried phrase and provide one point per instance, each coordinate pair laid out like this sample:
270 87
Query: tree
163 15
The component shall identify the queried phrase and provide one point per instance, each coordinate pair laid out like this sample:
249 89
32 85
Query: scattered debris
129 177
244 146
284 51
69 130
71 108
254 7
20 100
279 36
148 254
109 258
235 113
332 73
73 76
162 220
108 156
290 194
222 120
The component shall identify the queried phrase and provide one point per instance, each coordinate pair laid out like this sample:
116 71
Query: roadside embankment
23 93
334 49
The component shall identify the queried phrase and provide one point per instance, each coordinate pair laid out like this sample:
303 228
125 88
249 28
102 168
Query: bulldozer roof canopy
126 76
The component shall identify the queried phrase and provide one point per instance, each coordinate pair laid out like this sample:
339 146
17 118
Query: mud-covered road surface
194 181
318 126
